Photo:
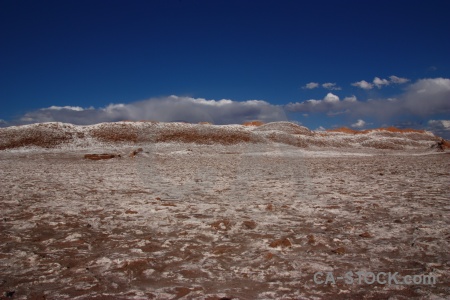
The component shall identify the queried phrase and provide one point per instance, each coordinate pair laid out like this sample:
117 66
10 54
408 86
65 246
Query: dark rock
281 243
249 224
99 156
365 235
340 250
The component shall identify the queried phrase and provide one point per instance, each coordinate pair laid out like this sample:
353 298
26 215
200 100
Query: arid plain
220 212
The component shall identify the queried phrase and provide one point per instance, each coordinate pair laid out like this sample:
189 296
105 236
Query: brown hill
388 129
253 123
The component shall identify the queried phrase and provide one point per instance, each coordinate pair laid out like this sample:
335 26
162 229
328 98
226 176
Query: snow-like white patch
73 237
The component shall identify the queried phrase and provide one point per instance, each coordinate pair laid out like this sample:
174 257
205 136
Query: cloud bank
423 98
166 109
440 127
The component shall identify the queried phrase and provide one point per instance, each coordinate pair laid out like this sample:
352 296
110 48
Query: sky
322 64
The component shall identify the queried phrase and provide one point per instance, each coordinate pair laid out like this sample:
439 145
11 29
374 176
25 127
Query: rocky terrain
152 210
62 135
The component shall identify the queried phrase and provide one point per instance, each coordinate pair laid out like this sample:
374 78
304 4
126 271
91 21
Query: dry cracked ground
181 221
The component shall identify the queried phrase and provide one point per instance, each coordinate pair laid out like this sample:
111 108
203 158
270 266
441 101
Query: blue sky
92 61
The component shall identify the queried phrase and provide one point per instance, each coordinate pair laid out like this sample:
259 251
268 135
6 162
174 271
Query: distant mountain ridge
57 135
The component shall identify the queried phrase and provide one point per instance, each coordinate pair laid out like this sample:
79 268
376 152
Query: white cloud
330 103
330 98
218 103
311 85
440 128
313 102
75 108
380 82
445 124
3 123
398 80
351 99
359 124
363 84
331 86
167 109
422 98
327 85
427 96
320 128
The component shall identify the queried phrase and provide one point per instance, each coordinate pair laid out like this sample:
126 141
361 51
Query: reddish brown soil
388 129
195 225
253 123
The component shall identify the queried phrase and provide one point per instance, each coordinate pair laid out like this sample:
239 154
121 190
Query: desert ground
184 220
